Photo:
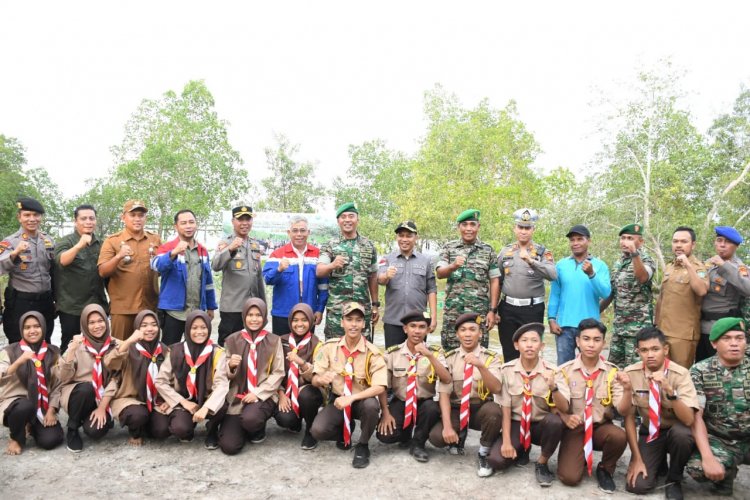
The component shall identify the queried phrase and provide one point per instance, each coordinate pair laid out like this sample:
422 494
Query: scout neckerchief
348 374
97 378
192 389
42 393
151 373
411 390
654 406
252 360
526 411
465 395
292 376
588 416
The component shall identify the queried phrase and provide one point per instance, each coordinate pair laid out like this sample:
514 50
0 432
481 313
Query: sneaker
543 475
455 450
309 442
604 478
484 469
522 460
361 456
673 491
186 440
75 443
211 442
419 453
343 447
258 437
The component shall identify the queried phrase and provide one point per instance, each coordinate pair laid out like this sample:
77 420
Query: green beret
529 327
470 214
636 229
347 207
725 325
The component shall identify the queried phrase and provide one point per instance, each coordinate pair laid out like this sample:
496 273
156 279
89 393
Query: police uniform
522 284
30 284
468 287
633 302
242 277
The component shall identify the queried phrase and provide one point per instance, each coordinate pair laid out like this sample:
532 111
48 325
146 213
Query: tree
40 186
12 161
291 187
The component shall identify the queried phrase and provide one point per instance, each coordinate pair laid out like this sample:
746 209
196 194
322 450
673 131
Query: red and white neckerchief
292 376
348 374
151 373
654 406
252 359
410 408
588 417
192 389
42 393
465 396
526 411
97 377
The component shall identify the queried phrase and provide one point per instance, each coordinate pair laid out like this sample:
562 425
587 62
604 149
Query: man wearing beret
722 425
27 256
473 279
238 257
351 262
728 286
631 293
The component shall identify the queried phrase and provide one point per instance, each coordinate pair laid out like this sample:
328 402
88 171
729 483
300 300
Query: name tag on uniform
399 369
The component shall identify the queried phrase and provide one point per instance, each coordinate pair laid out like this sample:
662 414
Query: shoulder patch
435 348
451 352
743 271
393 348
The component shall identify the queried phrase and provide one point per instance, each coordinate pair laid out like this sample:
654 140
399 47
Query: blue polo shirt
574 296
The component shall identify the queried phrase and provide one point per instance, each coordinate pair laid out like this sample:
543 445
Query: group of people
141 352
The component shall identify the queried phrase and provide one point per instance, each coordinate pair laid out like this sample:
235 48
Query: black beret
414 315
25 203
529 327
465 318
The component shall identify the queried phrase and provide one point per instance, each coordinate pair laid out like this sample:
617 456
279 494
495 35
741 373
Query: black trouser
19 303
677 441
546 433
428 414
140 421
230 322
310 401
511 319
181 423
704 349
394 335
252 420
70 325
280 325
22 411
329 424
172 329
81 403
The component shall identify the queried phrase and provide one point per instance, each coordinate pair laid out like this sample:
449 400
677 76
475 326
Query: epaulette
435 348
490 352
393 348
634 367
113 235
373 348
331 340
153 233
451 352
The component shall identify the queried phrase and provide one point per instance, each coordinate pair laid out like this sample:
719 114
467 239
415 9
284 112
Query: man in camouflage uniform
473 279
722 426
632 295
351 262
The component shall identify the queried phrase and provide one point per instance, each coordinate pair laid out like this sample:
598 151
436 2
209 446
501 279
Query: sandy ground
278 468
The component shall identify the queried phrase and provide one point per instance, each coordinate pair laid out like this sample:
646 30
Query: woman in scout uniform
138 360
356 373
255 370
298 399
530 391
595 392
87 385
465 401
413 369
193 383
29 388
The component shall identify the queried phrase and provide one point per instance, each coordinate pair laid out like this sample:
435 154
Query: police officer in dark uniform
28 256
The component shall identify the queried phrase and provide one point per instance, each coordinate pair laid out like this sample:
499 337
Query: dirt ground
278 468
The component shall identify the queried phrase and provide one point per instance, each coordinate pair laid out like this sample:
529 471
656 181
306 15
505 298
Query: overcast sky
330 74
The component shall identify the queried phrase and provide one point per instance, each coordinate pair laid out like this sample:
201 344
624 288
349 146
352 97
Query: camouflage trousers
448 337
333 327
731 454
622 345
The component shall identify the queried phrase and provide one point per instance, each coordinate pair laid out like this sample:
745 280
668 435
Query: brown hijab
204 374
88 311
306 352
26 373
236 344
261 305
138 362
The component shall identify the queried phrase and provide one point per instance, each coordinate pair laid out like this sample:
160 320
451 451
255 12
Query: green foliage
41 187
12 160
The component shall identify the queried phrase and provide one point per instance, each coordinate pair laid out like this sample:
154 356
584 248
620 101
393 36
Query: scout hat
132 205
346 207
636 229
579 229
469 317
470 214
529 327
409 225
525 217
727 232
350 307
242 211
725 325
415 315
26 203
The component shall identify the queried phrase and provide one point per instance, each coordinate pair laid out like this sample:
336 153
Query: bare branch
729 187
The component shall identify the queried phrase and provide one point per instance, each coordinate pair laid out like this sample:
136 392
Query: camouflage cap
635 228
133 205
351 307
346 207
725 325
529 327
409 225
470 214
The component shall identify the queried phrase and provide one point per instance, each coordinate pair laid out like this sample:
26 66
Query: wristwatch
375 304
673 397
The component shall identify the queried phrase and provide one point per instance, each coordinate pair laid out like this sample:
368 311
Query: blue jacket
574 296
286 284
173 291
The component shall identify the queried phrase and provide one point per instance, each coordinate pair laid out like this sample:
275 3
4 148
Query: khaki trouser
682 351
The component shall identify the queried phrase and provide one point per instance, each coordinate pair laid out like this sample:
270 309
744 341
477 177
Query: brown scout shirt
270 362
678 308
307 353
680 380
397 361
166 383
11 387
79 371
455 363
604 392
512 394
331 358
133 287
127 392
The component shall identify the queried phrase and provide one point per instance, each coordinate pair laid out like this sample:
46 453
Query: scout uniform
133 287
30 284
633 302
241 279
674 438
351 282
468 287
522 284
678 311
724 395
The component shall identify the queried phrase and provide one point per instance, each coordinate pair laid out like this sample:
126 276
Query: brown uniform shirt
398 362
79 370
270 361
678 309
133 287
127 391
454 361
607 390
166 384
680 380
11 387
331 358
512 393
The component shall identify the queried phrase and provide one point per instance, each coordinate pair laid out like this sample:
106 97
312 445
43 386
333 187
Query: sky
331 74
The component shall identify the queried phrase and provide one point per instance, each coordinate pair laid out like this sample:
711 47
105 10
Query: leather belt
523 302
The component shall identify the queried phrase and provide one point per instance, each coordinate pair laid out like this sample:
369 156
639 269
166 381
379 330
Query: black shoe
361 456
484 469
522 460
419 453
454 449
309 442
211 442
258 437
604 478
75 443
543 475
404 444
343 447
673 491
